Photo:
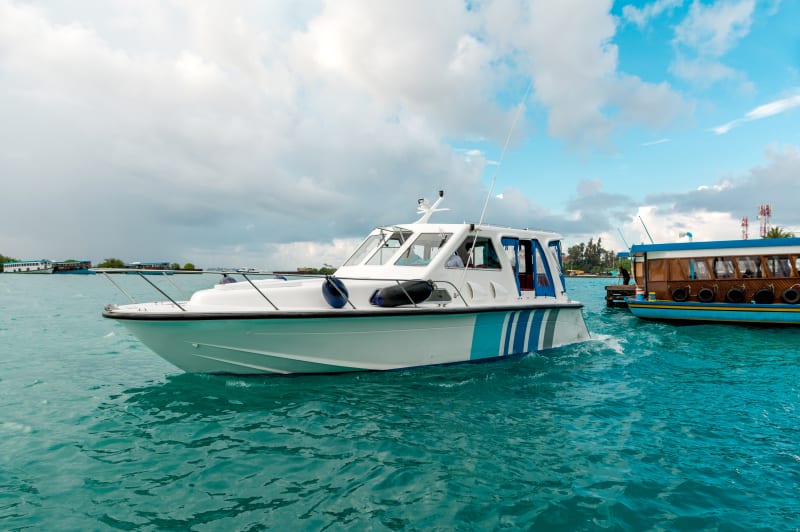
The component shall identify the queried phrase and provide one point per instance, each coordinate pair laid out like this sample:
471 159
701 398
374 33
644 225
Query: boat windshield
423 250
381 247
363 250
390 241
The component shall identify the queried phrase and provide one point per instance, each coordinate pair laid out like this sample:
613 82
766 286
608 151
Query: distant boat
150 268
28 266
73 267
732 281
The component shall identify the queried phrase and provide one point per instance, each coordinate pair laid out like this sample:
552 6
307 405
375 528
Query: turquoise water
648 426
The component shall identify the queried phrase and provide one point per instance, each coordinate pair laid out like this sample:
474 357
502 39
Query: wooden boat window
423 250
749 267
779 266
723 267
657 270
692 269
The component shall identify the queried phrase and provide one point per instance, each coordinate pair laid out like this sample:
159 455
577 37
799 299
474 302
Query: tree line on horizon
590 257
113 262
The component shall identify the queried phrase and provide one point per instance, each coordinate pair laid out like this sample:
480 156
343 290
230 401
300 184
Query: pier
616 294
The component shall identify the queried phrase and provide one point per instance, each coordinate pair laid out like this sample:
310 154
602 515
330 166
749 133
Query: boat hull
338 343
771 314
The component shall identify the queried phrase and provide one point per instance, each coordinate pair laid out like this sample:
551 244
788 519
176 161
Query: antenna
505 147
745 227
623 238
764 213
646 231
427 210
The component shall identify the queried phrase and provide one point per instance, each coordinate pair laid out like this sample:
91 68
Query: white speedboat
413 294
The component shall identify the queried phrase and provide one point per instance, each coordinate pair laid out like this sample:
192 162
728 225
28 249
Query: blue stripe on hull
720 312
511 333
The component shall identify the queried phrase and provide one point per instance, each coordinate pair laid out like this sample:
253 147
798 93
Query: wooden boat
739 281
73 267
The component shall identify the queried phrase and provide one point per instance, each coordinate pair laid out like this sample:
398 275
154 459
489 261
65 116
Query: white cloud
667 227
233 131
714 29
707 33
763 111
573 61
704 72
641 16
655 142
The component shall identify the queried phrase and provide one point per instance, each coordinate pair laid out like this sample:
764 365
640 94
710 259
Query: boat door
543 279
519 253
555 249
511 246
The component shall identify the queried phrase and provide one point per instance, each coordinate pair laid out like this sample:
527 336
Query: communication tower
745 227
764 213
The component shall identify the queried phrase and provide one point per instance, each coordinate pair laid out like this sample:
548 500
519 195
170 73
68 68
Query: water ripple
647 426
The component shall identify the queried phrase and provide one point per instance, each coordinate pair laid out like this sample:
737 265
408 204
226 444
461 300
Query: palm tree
777 232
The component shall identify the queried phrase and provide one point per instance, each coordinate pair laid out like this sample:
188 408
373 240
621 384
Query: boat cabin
762 271
491 264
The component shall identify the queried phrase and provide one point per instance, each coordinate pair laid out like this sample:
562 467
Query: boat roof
468 227
718 245
26 261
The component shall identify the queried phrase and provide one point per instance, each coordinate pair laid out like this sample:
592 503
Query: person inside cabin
626 275
226 279
465 253
409 258
454 261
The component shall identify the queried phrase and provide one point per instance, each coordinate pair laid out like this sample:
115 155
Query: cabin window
423 250
723 268
657 270
749 267
479 253
779 266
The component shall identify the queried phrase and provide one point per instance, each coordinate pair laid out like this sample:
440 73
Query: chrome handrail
141 271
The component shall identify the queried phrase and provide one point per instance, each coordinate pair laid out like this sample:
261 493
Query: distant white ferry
28 266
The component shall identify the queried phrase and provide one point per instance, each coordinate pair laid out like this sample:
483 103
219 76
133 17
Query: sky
275 134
